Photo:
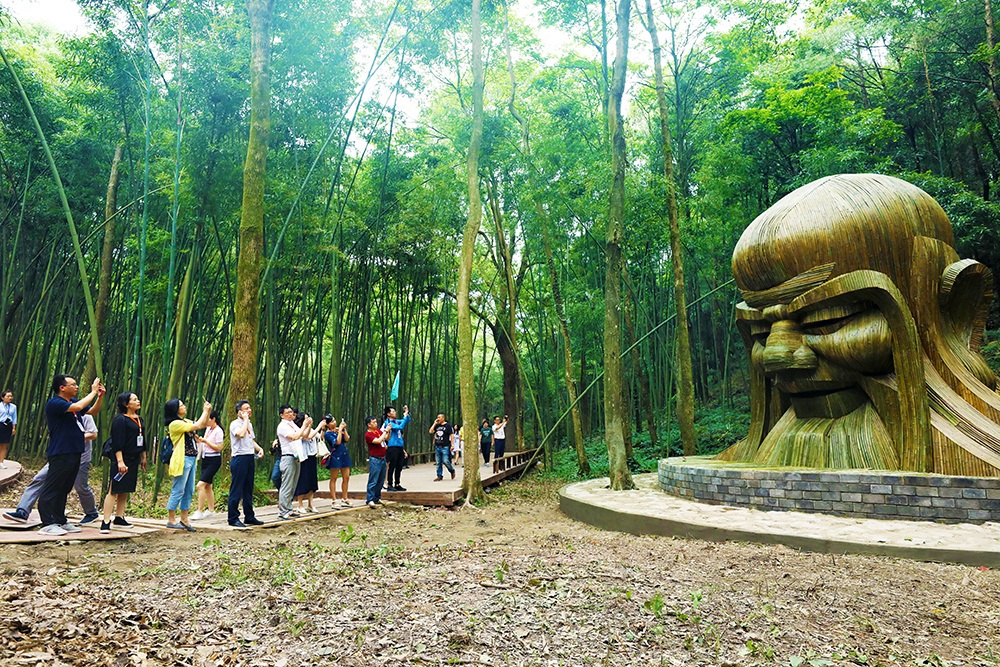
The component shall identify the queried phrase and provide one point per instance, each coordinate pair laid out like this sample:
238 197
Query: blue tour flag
394 394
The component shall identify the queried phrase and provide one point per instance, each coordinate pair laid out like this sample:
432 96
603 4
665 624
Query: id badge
138 442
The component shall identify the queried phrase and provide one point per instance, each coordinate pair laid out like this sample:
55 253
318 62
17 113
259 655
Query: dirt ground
512 583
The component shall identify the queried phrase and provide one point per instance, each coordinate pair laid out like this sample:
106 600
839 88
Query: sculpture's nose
785 349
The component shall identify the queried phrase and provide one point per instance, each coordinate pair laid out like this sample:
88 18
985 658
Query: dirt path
515 583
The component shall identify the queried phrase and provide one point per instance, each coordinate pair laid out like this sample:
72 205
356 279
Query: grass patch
716 428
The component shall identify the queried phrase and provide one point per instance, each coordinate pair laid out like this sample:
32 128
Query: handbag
107 451
321 449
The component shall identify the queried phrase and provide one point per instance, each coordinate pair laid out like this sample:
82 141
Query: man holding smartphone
66 446
396 452
499 436
442 432
243 445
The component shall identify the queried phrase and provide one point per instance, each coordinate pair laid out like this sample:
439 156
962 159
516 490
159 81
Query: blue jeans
376 478
242 468
183 488
442 456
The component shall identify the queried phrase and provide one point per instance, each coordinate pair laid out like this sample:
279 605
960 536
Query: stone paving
648 510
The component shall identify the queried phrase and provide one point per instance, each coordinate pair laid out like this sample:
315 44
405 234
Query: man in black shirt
66 445
442 432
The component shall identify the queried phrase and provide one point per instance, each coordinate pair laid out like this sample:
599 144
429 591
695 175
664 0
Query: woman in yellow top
183 462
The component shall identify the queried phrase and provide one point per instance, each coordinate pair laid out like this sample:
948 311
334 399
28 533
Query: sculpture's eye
828 320
823 327
760 331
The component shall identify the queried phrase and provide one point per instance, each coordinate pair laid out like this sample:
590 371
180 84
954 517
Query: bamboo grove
364 199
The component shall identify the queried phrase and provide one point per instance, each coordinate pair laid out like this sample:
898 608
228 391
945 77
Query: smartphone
119 476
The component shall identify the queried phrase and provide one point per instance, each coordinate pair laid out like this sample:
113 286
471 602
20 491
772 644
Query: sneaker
70 528
453 474
400 488
89 518
174 526
311 510
254 522
120 521
372 505
237 524
188 528
18 515
105 527
440 479
197 516
345 504
294 513
285 517
207 513
3 464
51 529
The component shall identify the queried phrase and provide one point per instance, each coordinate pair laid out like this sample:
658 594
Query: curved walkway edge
10 474
649 511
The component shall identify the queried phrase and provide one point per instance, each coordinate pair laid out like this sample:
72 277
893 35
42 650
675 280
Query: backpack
166 450
106 449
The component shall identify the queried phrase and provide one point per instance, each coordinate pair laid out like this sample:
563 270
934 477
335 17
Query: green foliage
717 427
991 349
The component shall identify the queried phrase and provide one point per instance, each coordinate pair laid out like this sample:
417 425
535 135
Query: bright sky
59 15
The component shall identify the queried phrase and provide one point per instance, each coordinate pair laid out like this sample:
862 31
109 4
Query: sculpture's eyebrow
787 291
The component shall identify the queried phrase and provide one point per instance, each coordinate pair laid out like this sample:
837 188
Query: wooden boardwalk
419 481
12 532
421 487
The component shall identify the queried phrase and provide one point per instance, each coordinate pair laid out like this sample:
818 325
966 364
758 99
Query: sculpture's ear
965 295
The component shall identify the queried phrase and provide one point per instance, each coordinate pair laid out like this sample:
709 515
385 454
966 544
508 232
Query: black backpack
166 450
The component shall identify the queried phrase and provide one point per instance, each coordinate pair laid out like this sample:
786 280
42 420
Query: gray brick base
860 493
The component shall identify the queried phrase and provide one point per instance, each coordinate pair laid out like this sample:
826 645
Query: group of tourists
300 447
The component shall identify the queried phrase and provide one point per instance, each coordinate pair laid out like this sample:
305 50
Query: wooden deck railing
513 460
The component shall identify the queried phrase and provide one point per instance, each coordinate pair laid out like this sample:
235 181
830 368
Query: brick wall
860 493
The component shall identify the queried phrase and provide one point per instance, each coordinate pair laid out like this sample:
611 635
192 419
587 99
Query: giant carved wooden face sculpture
863 327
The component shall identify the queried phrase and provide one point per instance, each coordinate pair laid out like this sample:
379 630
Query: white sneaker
207 513
70 528
197 516
3 464
51 529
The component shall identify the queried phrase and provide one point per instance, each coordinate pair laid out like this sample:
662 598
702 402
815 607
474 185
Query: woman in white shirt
211 461
499 436
308 484
8 424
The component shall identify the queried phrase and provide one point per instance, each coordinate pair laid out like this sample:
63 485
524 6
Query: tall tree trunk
991 62
243 378
685 376
583 464
107 254
615 418
471 483
185 304
641 370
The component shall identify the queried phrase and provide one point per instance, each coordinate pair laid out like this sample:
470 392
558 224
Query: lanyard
137 423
